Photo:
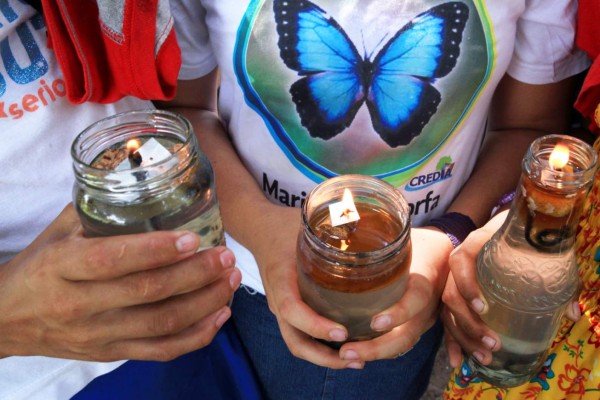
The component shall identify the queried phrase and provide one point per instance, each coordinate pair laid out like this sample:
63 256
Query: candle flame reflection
344 244
559 157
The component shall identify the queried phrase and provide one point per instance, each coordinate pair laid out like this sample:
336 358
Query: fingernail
227 258
337 335
222 318
478 356
381 323
350 355
355 365
477 305
235 278
489 342
186 242
576 310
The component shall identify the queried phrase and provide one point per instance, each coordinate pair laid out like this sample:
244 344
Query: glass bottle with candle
354 250
142 171
527 272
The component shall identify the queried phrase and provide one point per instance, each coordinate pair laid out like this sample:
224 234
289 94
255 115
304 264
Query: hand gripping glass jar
349 272
527 271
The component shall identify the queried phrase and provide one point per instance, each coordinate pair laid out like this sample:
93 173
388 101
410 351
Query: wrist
503 202
455 225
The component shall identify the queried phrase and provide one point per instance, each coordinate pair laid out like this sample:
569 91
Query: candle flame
132 145
559 157
348 202
343 212
344 244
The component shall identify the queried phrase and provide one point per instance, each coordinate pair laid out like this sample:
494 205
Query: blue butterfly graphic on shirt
397 85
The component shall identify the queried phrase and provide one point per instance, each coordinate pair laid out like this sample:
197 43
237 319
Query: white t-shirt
37 127
309 91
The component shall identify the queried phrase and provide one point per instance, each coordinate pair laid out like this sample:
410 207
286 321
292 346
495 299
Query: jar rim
146 115
354 179
536 161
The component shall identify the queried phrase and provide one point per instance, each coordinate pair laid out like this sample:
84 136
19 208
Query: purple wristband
507 198
455 225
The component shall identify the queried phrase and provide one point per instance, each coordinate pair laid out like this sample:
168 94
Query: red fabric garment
588 39
109 49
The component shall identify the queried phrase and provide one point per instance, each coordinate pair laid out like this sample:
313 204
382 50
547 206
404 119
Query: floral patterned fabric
572 369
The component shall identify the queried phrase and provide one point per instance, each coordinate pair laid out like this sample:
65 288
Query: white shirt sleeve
544 49
193 38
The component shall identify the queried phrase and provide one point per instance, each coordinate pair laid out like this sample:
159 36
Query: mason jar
352 271
142 171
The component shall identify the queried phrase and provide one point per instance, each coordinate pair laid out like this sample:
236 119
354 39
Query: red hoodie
588 39
109 49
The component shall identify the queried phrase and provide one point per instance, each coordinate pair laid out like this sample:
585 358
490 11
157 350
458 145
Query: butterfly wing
401 97
313 44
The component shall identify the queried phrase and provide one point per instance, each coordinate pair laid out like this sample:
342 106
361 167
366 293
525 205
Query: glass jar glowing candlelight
141 171
354 250
527 272
555 182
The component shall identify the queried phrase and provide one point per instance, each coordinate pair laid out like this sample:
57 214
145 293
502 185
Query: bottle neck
549 199
543 219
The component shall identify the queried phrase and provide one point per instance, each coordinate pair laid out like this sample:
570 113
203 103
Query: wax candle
552 194
142 171
353 256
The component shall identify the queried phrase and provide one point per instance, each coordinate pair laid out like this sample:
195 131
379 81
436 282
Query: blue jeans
219 371
284 376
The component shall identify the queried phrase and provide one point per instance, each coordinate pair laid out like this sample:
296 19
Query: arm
263 227
147 296
520 113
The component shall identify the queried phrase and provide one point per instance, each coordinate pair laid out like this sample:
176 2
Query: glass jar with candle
354 250
142 171
527 272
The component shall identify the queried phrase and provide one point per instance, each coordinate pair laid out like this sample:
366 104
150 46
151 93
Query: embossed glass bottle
170 187
527 271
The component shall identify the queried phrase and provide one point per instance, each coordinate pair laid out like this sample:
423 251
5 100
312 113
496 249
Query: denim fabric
285 377
219 371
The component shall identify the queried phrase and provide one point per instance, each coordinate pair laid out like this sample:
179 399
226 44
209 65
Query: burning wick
343 216
346 213
559 159
542 235
135 158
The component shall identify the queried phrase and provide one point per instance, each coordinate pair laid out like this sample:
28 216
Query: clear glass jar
528 271
352 272
165 184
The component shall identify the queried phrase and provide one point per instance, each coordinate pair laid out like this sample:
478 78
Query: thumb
573 311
